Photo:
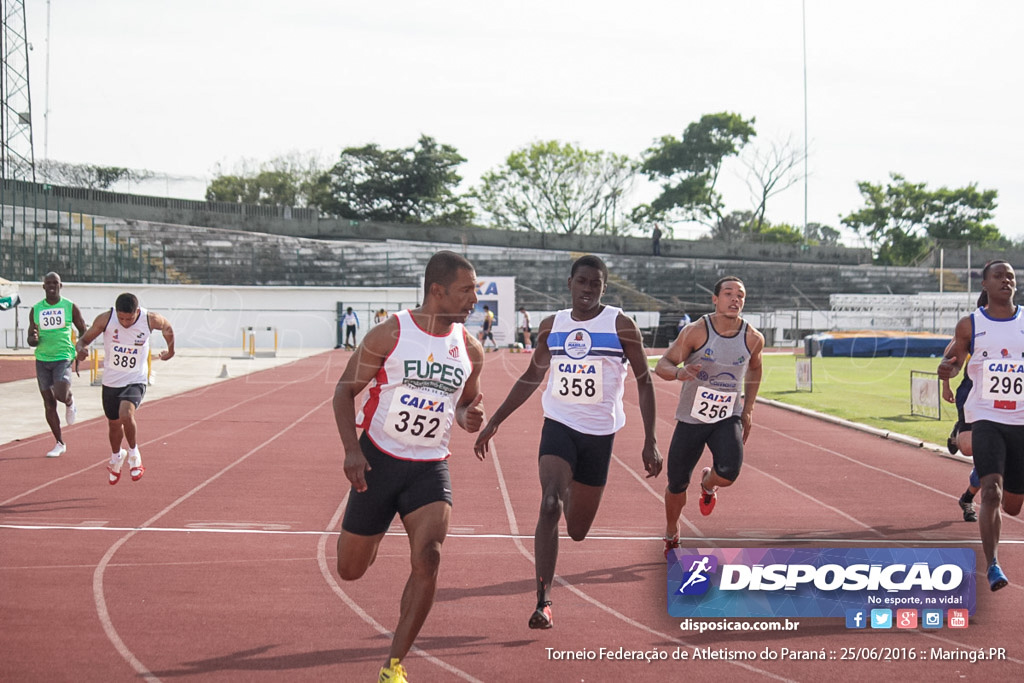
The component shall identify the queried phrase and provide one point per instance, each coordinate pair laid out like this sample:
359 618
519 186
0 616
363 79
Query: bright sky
929 89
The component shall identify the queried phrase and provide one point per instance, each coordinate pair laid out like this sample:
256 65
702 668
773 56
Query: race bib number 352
416 418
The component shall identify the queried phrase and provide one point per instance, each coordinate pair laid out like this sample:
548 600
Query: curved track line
328 574
97 578
584 596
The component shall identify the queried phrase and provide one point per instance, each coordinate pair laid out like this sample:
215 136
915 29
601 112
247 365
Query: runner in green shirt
49 331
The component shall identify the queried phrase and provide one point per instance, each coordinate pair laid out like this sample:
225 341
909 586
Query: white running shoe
57 450
135 467
114 466
71 413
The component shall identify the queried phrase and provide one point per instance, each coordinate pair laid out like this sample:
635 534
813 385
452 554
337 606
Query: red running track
218 564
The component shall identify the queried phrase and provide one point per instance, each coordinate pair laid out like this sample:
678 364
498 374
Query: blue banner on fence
817 582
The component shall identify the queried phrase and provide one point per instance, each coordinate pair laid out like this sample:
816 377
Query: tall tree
771 171
688 168
286 180
555 187
903 220
412 185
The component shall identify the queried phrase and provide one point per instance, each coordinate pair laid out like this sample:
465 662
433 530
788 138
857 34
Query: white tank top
997 368
587 374
126 351
409 409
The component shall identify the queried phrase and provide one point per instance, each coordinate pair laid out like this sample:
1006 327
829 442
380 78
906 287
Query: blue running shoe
996 577
974 480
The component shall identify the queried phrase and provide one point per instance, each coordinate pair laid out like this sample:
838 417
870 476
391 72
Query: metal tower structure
18 157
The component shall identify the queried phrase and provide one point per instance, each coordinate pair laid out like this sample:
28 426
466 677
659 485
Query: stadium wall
213 317
303 222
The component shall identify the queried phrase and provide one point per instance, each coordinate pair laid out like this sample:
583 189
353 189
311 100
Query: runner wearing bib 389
721 375
126 330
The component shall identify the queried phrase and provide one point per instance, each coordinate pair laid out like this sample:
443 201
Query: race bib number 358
578 383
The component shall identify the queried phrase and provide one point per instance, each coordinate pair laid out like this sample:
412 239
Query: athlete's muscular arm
633 348
367 360
98 325
752 380
469 413
957 350
693 336
524 387
158 322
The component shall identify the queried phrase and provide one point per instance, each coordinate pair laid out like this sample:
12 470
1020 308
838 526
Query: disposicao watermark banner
816 582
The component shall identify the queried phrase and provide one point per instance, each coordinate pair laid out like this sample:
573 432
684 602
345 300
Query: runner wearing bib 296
993 338
721 375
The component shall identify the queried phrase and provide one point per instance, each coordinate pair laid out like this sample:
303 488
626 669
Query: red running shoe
541 617
707 498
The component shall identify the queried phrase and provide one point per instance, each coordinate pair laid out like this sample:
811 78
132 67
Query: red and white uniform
410 408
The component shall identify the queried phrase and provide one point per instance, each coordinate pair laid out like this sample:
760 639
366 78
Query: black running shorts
393 485
725 441
589 455
999 449
112 397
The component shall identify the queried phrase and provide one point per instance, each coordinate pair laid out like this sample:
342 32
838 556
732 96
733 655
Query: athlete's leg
52 418
581 504
989 520
427 528
356 553
555 477
126 413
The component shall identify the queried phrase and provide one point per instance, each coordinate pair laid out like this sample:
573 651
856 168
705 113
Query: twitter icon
881 618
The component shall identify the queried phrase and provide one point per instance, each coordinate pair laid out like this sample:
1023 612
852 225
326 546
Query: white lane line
97 577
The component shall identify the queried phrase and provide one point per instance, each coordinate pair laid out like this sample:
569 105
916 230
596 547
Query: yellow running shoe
395 673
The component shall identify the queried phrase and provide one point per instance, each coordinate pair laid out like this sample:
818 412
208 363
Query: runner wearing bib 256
721 375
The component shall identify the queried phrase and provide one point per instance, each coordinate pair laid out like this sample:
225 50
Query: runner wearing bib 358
587 348
993 337
721 376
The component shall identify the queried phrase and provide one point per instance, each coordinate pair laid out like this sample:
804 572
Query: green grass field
873 391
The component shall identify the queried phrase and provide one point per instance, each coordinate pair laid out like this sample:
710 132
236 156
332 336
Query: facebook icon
856 618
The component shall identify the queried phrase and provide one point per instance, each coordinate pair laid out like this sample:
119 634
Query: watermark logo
906 618
821 582
931 618
697 579
881 618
